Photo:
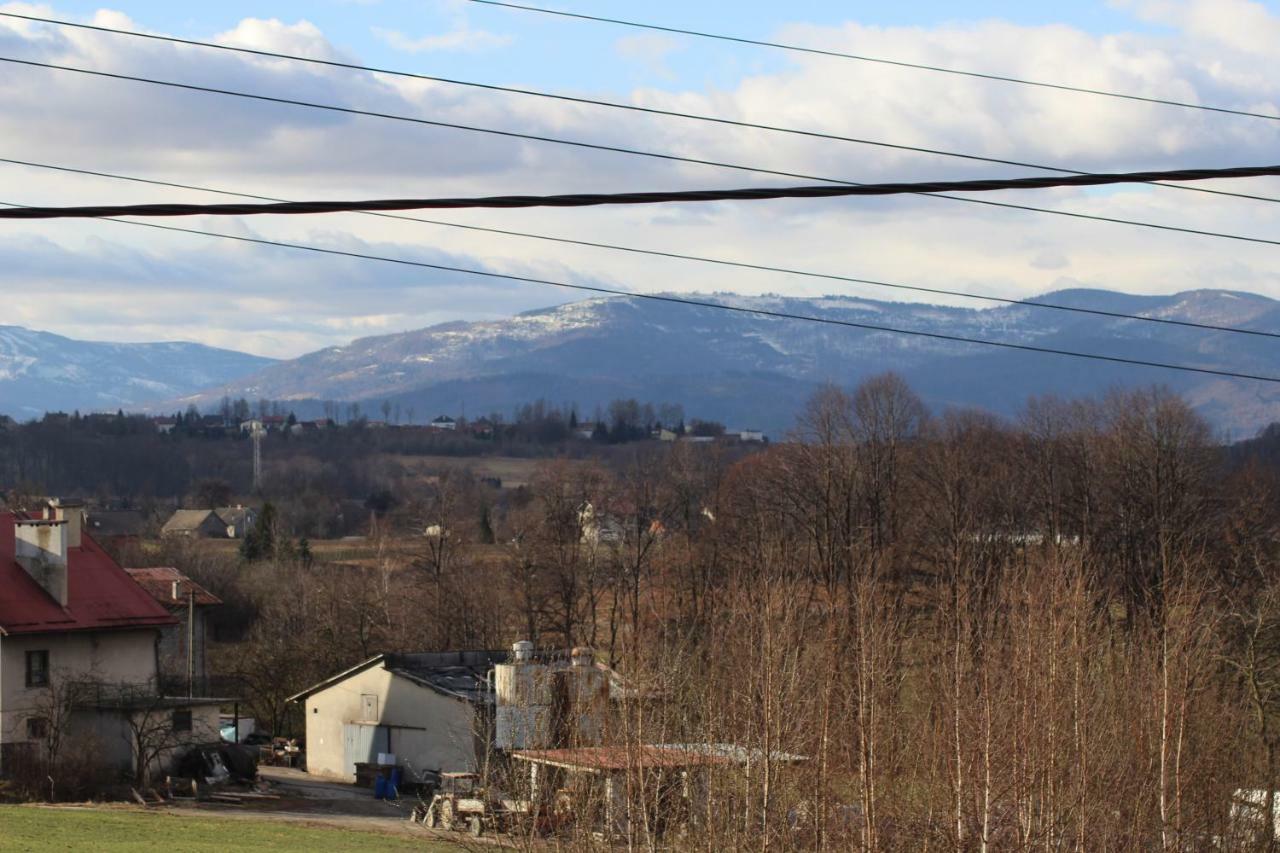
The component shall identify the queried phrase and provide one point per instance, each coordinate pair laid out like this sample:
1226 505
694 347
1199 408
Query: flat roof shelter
606 759
617 790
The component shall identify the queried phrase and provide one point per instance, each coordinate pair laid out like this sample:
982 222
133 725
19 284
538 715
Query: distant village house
228 522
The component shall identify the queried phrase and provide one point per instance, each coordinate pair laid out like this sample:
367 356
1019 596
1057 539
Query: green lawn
111 830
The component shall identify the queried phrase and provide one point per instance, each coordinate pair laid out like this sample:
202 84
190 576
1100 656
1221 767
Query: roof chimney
40 547
72 512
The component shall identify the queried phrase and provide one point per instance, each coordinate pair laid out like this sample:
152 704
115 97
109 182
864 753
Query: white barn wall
428 730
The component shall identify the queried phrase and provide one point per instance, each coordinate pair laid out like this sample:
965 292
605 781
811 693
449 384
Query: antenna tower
257 457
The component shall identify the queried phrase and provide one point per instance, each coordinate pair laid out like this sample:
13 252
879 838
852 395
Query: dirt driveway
305 799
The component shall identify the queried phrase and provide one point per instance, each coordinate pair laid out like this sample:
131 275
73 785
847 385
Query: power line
598 199
1002 78
679 256
697 303
619 149
513 90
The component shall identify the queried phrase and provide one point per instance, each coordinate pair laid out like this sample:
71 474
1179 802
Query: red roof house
100 596
71 617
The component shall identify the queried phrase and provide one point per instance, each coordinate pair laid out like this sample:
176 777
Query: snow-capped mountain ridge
743 367
730 365
41 371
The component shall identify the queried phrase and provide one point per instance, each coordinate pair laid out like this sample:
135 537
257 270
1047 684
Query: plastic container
380 788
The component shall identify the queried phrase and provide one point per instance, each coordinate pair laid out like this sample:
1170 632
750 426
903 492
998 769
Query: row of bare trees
1059 633
919 632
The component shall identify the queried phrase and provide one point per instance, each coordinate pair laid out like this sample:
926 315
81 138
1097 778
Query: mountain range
741 368
41 372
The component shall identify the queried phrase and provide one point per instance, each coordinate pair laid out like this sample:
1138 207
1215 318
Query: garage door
361 744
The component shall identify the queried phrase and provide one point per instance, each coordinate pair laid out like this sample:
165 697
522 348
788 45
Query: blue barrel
380 787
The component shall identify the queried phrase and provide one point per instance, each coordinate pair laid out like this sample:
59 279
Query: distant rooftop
159 581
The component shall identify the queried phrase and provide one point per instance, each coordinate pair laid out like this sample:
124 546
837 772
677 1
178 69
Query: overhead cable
513 90
1002 78
679 256
698 303
599 199
619 149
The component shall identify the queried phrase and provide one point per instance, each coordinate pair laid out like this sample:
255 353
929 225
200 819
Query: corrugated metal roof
595 758
463 675
460 674
100 594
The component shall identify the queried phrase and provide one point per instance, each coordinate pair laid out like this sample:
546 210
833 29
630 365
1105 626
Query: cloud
1050 260
300 39
99 280
267 300
651 51
1237 25
462 38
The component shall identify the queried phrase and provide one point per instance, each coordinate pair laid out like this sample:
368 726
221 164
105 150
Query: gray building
183 646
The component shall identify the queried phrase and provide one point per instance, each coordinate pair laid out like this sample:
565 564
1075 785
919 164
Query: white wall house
76 632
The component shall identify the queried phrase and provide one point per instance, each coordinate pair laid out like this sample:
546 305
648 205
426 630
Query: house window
182 720
37 728
38 669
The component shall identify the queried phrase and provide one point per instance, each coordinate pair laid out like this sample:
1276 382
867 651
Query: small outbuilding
452 711
433 711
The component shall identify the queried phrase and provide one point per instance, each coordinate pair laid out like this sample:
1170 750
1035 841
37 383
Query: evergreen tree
260 542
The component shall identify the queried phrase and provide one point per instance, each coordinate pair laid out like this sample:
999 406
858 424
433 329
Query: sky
110 281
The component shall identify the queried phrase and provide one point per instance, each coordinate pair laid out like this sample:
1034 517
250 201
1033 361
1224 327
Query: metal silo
524 701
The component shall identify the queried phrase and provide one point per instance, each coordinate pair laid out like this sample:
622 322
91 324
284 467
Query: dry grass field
511 470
